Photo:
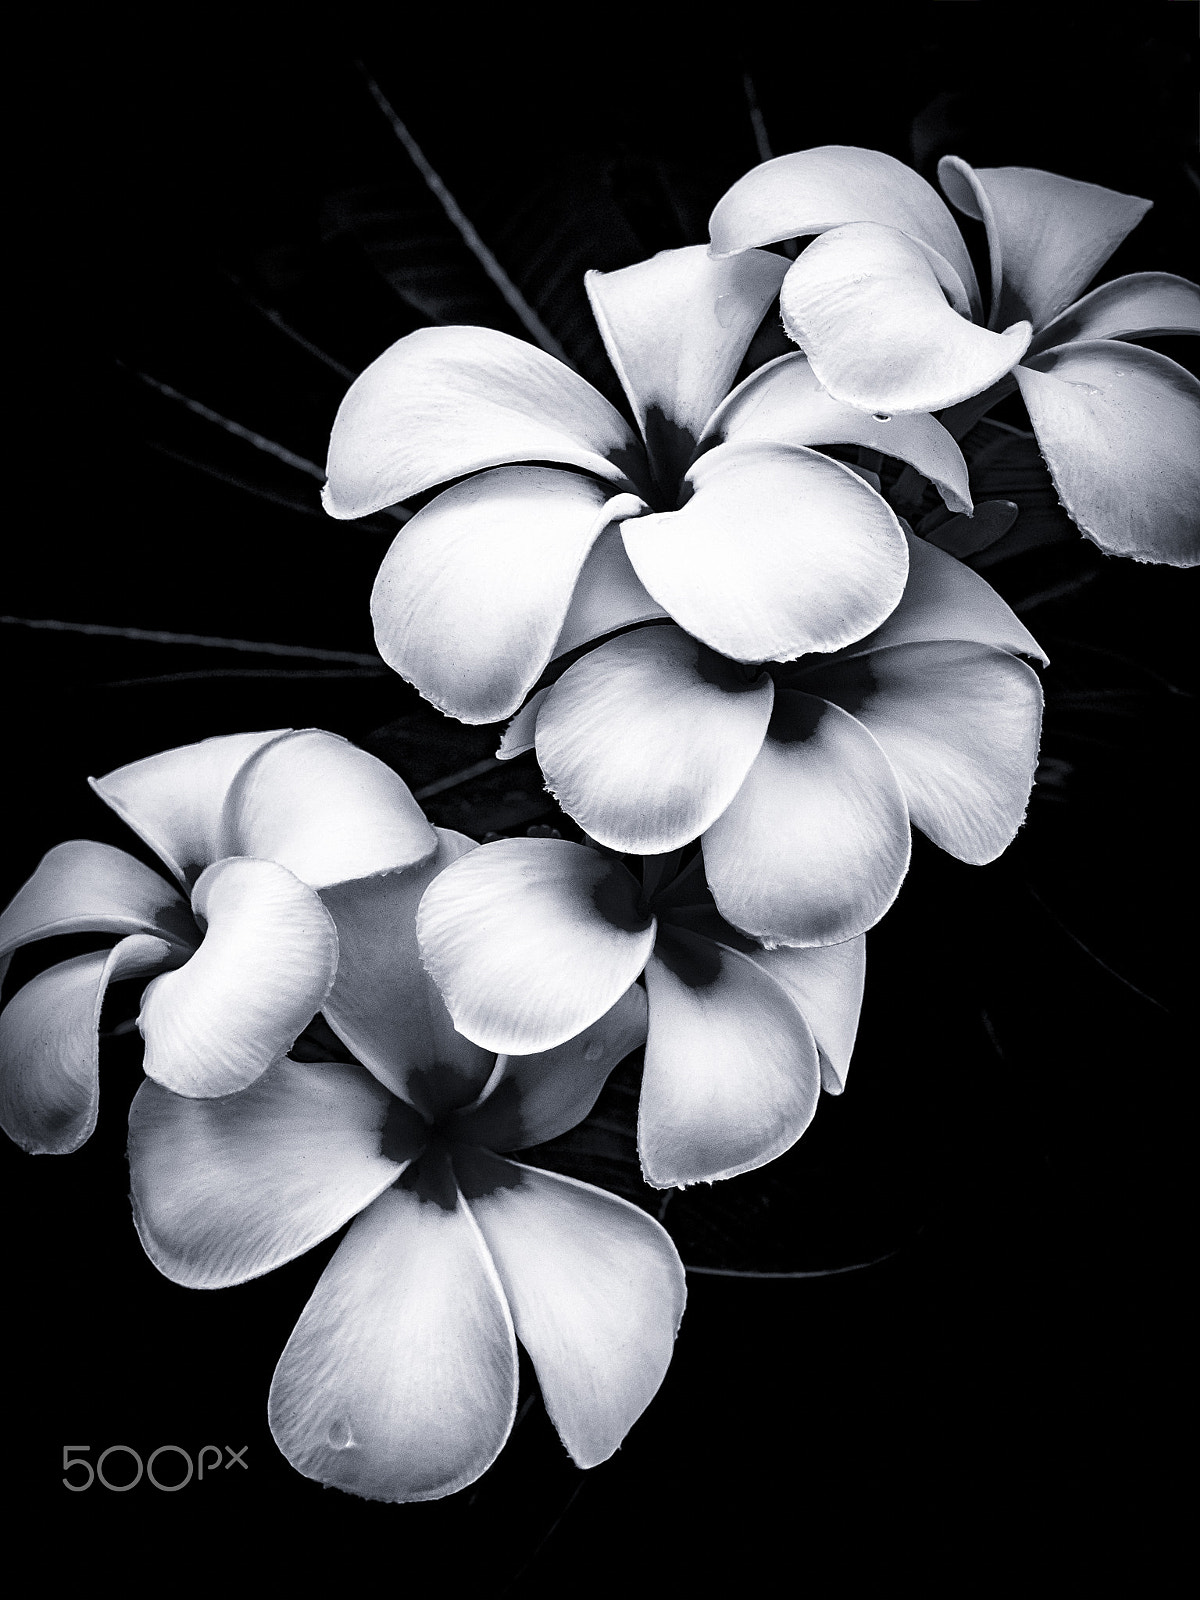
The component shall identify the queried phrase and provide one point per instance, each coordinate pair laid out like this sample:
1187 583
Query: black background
1002 1386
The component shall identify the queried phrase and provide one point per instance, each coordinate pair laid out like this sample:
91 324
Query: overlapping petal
816 843
1119 428
1048 236
537 1097
49 1044
609 595
960 725
596 1292
676 328
826 985
82 886
227 1189
473 593
399 1382
383 1004
647 738
811 191
324 809
445 402
174 800
1139 306
264 969
866 306
782 403
532 940
779 551
732 1075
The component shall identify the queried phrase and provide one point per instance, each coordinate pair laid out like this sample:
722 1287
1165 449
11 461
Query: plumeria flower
241 949
886 305
565 525
399 1382
531 940
801 780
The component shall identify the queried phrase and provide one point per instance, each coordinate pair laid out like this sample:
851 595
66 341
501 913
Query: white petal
1140 306
445 402
608 595
732 1076
826 985
647 739
866 307
532 940
473 592
596 1291
324 809
400 1380
518 737
263 971
84 887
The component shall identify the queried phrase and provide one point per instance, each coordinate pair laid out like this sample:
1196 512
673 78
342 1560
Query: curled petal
383 1003
779 551
84 887
815 846
782 403
225 1190
1119 428
732 1077
473 592
532 940
960 724
811 191
676 328
400 1380
324 809
866 307
535 1098
596 1290
49 1046
826 984
445 402
609 595
647 739
263 971
1140 306
945 600
173 800
1047 236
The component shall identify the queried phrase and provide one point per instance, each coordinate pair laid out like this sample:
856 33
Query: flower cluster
744 679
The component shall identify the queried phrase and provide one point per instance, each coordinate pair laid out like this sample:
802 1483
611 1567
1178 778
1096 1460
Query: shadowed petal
782 403
866 307
173 800
732 1076
945 600
609 595
596 1290
225 1190
445 402
383 1003
1119 428
535 1098
49 1047
263 971
84 887
324 809
1047 236
532 940
400 1380
473 592
1139 306
811 191
826 984
815 846
960 724
779 551
676 328
519 735
647 739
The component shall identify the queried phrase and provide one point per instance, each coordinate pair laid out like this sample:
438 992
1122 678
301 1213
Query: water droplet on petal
881 416
341 1436
594 1051
725 309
